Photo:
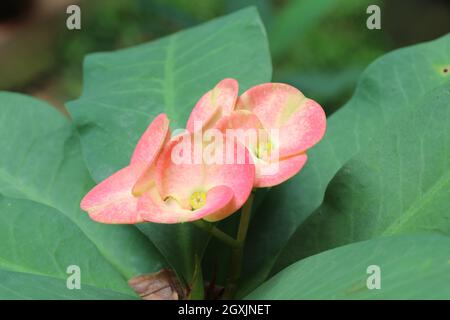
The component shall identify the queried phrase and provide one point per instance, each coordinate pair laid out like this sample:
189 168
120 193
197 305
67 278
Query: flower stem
238 252
215 232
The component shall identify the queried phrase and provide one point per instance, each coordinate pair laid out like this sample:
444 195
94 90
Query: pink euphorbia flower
188 191
298 122
154 188
112 200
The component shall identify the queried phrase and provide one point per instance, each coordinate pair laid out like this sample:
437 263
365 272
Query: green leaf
399 182
388 88
125 90
41 162
39 244
22 286
411 267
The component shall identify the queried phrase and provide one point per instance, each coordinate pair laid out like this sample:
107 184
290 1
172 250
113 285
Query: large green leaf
125 90
38 244
41 162
21 286
387 89
399 182
411 267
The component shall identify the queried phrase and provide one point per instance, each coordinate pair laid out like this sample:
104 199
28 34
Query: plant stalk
238 252
217 233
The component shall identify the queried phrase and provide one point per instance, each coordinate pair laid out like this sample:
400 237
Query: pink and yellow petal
145 181
303 130
154 209
152 140
272 174
147 150
180 178
246 127
178 173
111 200
238 174
301 121
219 101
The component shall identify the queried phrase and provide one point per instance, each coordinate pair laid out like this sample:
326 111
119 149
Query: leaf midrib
169 92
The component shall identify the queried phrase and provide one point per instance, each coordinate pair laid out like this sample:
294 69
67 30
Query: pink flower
192 190
154 188
287 125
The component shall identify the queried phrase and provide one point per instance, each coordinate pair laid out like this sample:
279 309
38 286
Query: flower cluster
267 131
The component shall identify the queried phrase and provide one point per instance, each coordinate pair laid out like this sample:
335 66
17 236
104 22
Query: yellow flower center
263 149
197 200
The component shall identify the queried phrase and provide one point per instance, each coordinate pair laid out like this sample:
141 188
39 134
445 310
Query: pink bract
299 123
213 105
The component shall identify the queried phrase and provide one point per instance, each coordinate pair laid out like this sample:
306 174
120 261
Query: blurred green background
319 46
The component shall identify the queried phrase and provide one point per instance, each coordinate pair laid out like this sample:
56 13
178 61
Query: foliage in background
308 53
